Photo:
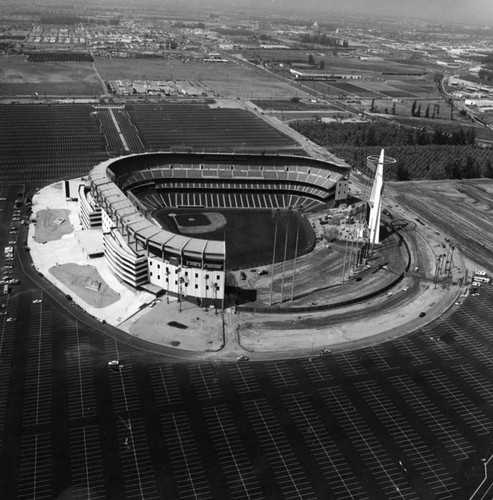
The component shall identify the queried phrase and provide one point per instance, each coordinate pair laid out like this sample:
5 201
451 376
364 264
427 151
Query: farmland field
410 88
287 105
19 77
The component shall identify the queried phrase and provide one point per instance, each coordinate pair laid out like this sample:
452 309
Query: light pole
300 211
275 214
284 261
205 289
216 286
167 285
180 282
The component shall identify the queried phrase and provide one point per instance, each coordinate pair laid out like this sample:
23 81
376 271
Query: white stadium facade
121 195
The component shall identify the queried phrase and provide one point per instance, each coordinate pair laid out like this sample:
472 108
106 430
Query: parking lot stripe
204 381
285 467
438 423
414 449
87 474
80 376
386 472
38 385
136 464
189 472
340 478
316 369
34 481
164 385
236 465
349 364
243 378
461 403
280 374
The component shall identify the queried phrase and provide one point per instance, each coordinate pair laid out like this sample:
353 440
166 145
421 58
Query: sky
480 11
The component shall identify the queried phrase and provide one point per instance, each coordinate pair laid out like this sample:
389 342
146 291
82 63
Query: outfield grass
250 235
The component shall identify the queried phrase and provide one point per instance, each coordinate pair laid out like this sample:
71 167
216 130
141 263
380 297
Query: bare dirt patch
52 224
86 283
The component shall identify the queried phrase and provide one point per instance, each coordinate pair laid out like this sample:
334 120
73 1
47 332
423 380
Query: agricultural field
424 162
335 64
461 209
199 127
18 77
289 105
224 80
419 154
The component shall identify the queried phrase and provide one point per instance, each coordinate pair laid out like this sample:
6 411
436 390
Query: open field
225 80
18 77
462 209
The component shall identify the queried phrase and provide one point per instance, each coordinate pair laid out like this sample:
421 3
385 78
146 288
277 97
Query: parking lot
410 418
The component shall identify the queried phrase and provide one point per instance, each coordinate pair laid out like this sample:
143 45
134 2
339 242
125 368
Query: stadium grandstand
121 194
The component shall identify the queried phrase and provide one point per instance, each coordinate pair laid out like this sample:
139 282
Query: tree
471 169
311 59
413 108
488 169
393 108
427 112
372 107
402 173
321 65
418 112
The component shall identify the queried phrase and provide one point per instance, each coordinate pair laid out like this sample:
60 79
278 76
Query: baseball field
250 235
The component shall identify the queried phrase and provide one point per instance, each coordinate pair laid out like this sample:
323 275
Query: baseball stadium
177 222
